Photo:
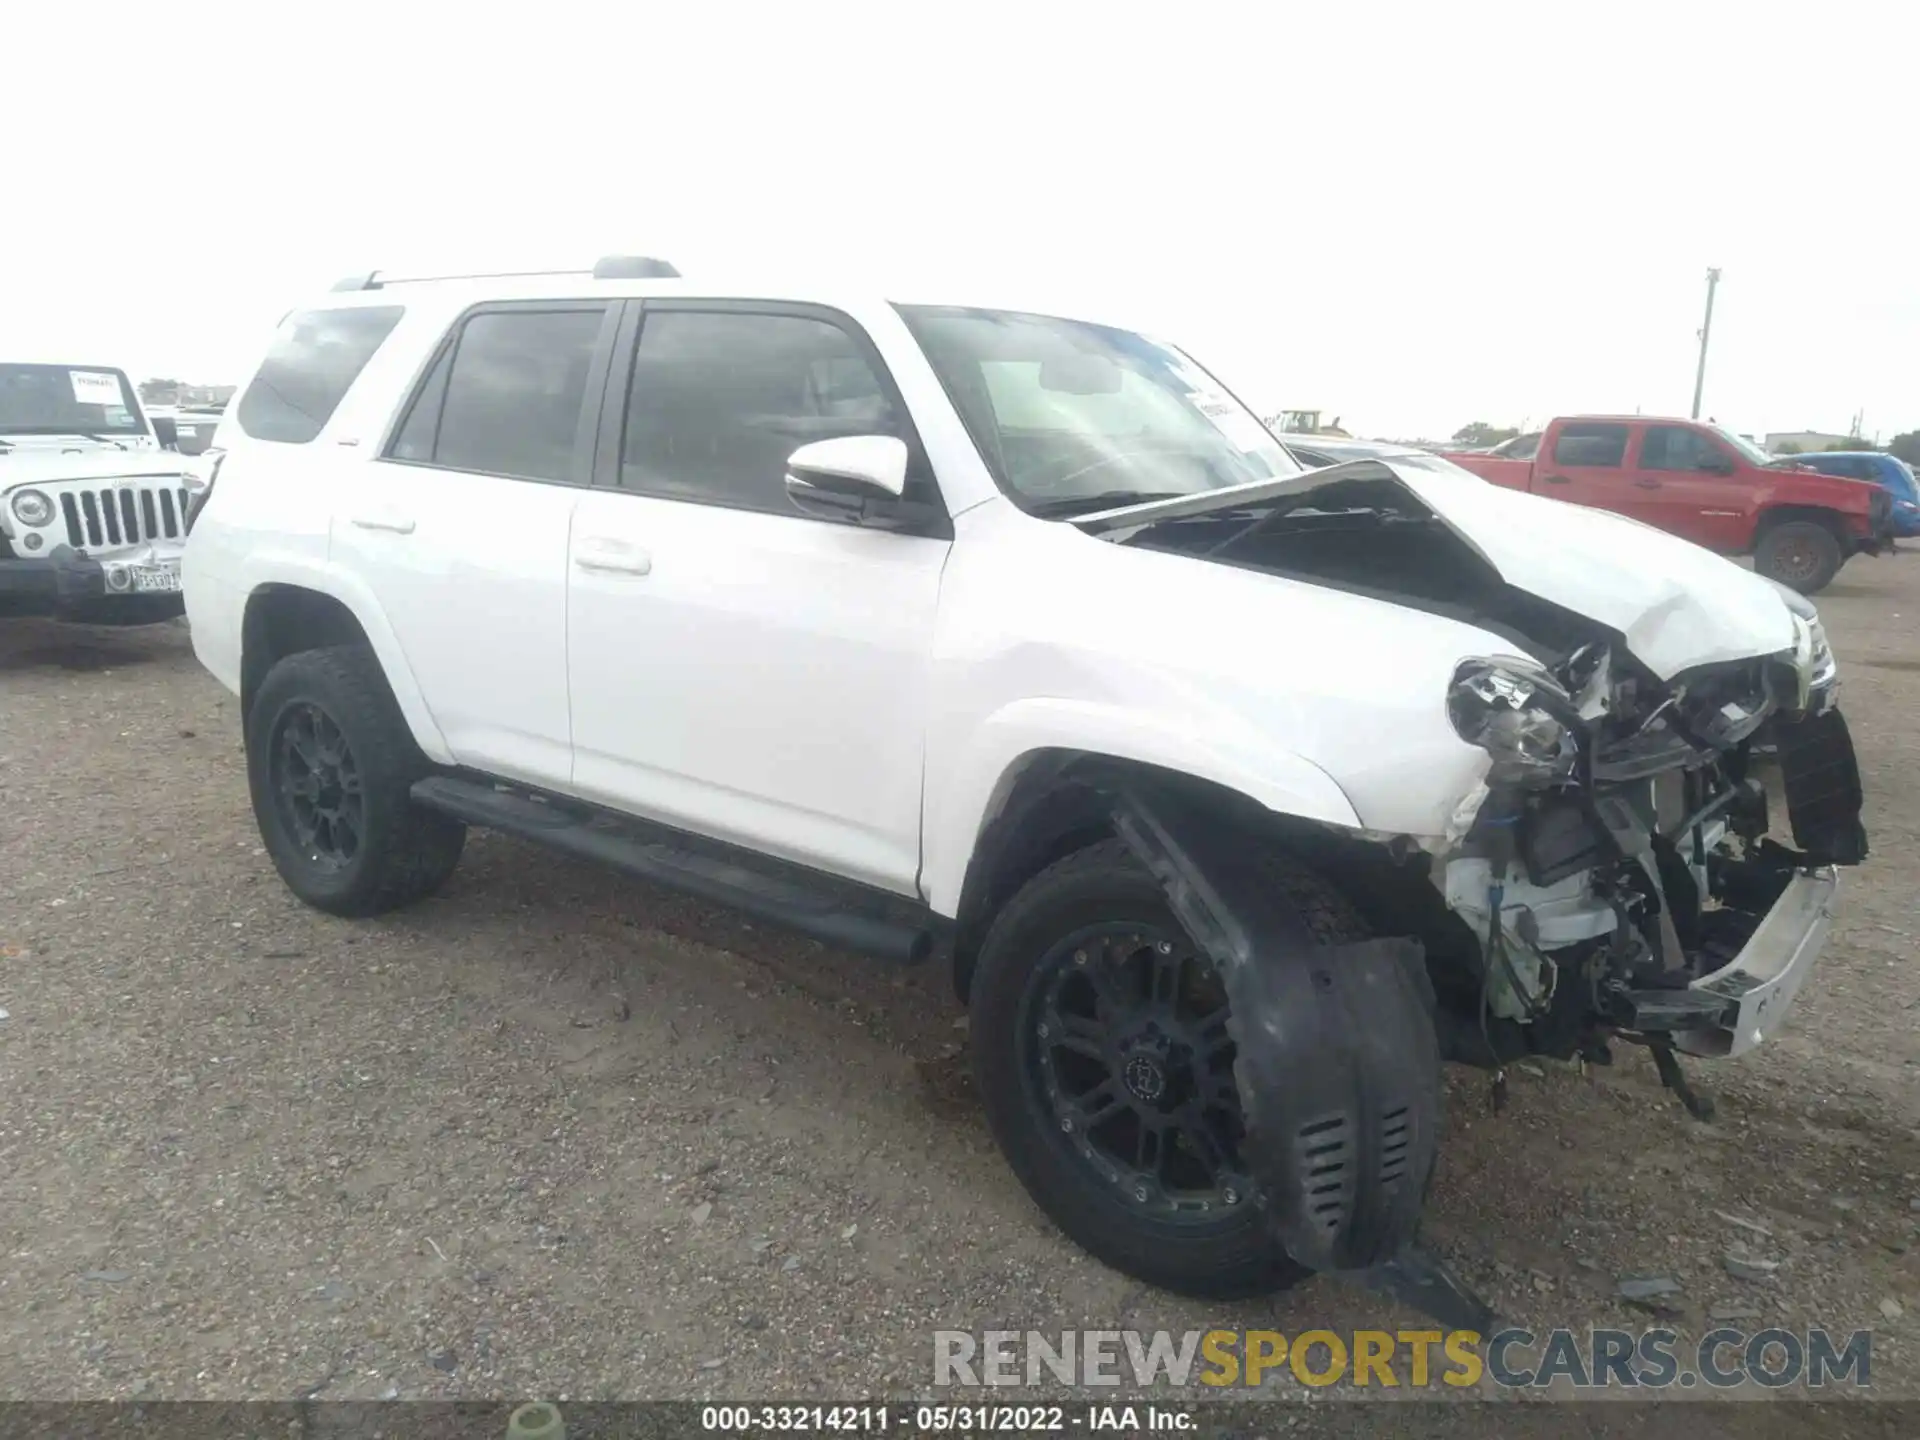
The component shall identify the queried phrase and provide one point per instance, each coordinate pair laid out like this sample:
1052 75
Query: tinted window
422 426
313 361
1590 445
720 399
505 397
1668 447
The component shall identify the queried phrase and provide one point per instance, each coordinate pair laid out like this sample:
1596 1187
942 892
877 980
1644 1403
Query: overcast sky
1408 216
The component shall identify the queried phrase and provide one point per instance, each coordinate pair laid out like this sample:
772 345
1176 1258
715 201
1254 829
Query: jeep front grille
124 517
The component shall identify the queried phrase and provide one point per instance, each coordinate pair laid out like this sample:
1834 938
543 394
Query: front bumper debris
1734 1008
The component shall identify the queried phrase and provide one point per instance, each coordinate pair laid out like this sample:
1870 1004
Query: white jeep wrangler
92 508
1236 796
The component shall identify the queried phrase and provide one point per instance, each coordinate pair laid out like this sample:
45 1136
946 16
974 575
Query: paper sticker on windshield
90 387
1245 432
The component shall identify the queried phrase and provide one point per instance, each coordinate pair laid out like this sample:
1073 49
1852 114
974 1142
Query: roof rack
608 267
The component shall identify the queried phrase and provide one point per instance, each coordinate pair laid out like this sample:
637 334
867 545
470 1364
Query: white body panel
478 607
1318 704
758 678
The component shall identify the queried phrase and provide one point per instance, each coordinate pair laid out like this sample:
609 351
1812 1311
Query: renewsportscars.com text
1513 1358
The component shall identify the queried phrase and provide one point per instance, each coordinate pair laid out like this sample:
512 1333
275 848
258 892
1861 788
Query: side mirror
1718 465
840 478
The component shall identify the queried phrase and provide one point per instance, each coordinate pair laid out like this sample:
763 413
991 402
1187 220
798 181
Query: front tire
1095 1023
1803 555
331 763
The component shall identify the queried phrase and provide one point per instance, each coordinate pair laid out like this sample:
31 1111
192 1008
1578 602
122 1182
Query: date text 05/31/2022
939 1419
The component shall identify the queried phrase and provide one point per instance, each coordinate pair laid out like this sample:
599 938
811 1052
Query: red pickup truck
1705 485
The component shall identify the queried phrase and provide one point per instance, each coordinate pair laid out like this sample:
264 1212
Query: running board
827 912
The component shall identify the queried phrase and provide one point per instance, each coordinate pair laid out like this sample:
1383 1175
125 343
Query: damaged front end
1614 877
1617 867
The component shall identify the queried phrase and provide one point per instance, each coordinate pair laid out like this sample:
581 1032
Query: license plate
149 578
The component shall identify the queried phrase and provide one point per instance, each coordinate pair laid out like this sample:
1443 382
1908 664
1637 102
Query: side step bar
816 911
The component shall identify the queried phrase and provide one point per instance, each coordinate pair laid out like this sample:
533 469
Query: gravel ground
557 1133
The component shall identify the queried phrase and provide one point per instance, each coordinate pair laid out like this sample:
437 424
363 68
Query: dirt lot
556 1133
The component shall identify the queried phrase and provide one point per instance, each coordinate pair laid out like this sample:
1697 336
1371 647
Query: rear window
505 398
313 361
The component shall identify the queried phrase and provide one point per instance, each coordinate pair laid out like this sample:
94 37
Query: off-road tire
406 852
1103 883
1803 555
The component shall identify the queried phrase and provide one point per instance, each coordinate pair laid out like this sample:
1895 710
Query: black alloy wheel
1127 1058
316 783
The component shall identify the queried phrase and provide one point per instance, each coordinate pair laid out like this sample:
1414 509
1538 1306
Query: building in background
1808 442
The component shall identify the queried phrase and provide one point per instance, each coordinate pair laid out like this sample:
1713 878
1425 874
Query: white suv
1236 796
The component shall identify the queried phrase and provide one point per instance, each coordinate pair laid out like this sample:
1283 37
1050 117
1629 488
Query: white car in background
92 507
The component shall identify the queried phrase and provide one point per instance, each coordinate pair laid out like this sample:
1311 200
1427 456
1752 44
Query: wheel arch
1053 801
286 616
1775 516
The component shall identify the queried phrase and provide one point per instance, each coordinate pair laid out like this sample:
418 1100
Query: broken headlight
1520 715
1825 668
1810 639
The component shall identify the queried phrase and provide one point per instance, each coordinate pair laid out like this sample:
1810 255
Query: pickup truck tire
330 762
1093 907
1801 554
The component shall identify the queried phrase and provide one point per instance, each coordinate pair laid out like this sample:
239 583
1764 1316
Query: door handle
1554 479
398 524
1646 484
613 558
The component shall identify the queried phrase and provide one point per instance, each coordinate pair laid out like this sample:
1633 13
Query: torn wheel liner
1337 1063
1339 1075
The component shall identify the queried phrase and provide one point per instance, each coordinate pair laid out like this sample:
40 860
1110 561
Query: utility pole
1706 329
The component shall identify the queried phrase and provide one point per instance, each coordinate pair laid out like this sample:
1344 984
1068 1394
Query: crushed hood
1676 605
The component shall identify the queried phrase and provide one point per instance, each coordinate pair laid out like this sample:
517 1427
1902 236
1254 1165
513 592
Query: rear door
1690 486
1587 465
460 526
738 668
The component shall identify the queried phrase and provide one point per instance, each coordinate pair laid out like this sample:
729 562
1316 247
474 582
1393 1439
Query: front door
1691 487
738 668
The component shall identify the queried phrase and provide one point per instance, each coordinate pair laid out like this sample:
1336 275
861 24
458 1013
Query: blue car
1889 472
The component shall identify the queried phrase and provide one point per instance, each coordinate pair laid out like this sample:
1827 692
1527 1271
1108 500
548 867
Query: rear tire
331 763
1803 555
1225 1251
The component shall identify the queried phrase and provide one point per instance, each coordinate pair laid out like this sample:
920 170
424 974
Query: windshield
62 400
1070 415
1745 449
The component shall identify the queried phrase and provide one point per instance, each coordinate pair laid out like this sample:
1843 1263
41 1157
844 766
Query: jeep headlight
1519 714
32 508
